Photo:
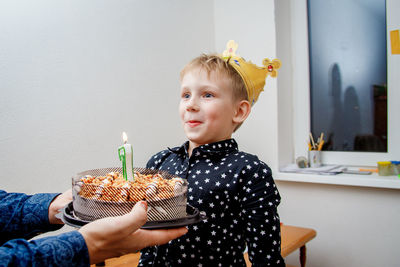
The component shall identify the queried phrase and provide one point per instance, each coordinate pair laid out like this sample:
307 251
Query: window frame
301 94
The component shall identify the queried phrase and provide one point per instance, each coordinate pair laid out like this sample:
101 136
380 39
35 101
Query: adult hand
115 236
58 203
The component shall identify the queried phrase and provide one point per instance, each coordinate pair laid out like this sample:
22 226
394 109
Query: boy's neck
193 145
190 150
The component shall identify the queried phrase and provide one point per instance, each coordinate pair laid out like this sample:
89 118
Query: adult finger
135 218
159 237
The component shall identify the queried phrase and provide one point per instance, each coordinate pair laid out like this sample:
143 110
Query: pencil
312 140
321 143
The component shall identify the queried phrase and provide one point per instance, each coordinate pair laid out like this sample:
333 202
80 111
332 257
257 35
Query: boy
234 188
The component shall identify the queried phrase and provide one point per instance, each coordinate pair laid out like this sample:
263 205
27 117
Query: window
294 20
348 73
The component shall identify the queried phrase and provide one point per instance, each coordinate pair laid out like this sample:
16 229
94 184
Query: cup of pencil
314 151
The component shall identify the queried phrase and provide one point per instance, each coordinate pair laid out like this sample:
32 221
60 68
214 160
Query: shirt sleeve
24 216
260 199
68 249
155 161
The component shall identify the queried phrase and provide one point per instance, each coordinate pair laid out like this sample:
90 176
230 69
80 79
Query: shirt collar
180 149
228 145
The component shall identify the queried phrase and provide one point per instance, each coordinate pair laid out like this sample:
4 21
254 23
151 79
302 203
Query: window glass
348 74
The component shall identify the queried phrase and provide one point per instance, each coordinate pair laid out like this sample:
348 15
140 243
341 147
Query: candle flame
124 137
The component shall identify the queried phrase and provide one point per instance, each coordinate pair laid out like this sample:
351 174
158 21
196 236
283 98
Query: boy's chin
196 139
199 142
200 138
193 134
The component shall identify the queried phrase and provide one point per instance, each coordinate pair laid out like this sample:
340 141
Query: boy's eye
185 95
207 95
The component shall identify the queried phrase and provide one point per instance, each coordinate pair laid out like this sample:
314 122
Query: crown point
272 66
231 48
252 75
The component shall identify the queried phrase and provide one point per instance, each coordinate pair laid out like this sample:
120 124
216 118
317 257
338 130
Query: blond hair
214 63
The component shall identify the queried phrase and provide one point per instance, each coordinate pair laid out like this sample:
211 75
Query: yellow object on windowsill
384 168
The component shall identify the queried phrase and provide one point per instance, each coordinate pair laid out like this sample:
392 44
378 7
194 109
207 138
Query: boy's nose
192 105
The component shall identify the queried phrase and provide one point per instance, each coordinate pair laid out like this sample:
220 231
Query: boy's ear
243 109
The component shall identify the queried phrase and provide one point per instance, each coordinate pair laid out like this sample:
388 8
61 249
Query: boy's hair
214 63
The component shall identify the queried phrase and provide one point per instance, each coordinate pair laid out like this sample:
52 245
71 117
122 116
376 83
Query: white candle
125 155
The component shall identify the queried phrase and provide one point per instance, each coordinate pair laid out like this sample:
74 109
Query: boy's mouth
193 123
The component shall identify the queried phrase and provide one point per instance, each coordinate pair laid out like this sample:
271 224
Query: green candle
125 153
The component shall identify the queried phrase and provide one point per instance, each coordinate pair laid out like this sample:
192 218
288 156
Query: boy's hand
115 236
58 203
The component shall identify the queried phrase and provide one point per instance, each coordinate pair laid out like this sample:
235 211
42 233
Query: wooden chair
293 238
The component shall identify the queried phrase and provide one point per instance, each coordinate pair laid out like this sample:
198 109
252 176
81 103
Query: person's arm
260 199
93 243
24 216
63 250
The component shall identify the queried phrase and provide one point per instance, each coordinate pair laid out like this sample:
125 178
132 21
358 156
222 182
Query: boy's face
207 107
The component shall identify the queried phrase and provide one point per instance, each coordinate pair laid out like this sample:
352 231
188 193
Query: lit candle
125 155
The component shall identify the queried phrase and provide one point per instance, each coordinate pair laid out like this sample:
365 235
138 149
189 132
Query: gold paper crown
253 76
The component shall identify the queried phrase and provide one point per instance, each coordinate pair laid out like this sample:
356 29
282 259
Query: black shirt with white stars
239 196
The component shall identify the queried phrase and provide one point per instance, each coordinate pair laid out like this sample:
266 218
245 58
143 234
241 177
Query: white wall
75 74
356 226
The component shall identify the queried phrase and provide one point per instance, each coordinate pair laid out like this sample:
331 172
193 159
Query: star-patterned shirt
239 196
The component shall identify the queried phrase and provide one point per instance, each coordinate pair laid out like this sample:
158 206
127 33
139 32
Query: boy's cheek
181 107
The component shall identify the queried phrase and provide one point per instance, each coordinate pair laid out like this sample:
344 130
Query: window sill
372 180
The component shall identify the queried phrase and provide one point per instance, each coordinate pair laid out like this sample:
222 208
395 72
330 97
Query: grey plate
193 216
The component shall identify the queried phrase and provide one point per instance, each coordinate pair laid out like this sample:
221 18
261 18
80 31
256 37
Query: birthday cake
104 192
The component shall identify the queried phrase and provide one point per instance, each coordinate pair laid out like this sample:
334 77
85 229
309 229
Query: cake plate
68 216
